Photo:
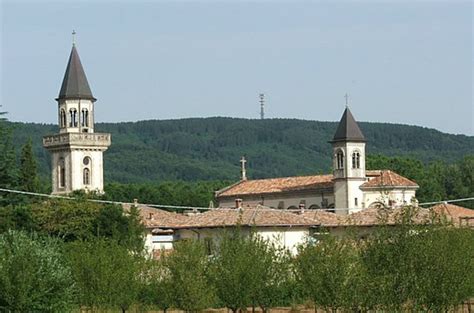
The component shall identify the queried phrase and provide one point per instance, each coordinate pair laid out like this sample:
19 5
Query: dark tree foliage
28 180
210 148
73 220
172 193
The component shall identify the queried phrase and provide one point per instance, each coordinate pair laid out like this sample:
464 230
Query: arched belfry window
356 159
86 178
86 173
63 118
73 118
61 173
340 159
85 118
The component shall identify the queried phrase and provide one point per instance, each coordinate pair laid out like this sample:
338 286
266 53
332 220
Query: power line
165 206
101 201
447 201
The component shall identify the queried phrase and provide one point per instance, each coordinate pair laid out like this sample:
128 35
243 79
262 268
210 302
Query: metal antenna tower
262 106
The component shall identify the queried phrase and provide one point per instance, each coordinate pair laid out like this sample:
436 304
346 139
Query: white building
350 188
76 152
285 229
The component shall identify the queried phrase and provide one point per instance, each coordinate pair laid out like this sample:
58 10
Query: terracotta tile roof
376 216
324 218
275 185
373 217
387 178
454 213
153 217
258 216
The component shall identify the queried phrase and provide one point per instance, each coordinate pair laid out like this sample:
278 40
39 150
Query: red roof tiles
387 178
455 214
274 185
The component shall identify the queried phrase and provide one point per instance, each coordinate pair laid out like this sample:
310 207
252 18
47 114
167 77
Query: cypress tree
8 166
28 169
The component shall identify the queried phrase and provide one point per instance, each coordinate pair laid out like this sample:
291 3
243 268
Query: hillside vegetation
210 148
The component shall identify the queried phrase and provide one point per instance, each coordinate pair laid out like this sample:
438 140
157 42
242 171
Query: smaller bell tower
348 147
76 152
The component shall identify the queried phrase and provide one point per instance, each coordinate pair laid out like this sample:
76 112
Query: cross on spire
243 171
347 99
73 37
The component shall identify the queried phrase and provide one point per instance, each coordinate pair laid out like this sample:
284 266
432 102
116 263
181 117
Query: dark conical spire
348 130
75 85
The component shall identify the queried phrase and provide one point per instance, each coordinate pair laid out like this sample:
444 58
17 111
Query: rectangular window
356 202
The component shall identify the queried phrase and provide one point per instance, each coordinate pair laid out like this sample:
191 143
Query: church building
350 188
76 151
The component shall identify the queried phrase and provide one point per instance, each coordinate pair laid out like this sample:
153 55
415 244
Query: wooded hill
210 148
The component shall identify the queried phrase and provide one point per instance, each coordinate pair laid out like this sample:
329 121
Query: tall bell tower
76 151
348 147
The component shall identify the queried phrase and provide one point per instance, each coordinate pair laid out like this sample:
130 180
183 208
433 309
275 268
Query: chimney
135 202
238 203
150 216
302 206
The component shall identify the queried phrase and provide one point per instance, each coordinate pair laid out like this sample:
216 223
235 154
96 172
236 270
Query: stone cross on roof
243 171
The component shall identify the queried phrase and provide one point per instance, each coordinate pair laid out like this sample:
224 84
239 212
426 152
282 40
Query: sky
408 62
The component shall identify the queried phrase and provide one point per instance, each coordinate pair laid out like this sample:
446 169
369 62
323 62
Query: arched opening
86 177
356 159
314 207
61 173
73 118
292 208
62 118
377 205
340 159
85 118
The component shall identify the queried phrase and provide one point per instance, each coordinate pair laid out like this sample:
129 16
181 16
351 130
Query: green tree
187 266
34 276
232 271
330 273
248 270
8 165
28 179
420 268
107 274
124 227
157 289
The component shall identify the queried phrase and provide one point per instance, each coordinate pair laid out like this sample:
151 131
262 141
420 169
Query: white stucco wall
153 245
273 201
284 237
398 196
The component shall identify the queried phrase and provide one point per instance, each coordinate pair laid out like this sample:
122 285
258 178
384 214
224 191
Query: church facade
76 151
350 188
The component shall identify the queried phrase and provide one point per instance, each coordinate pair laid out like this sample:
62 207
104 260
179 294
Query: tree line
200 149
439 180
404 268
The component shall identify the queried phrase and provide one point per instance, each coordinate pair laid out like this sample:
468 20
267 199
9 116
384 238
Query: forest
183 162
200 149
